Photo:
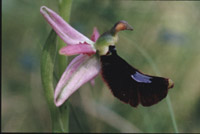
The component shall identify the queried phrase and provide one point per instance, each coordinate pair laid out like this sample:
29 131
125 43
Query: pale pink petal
95 34
82 48
67 33
81 70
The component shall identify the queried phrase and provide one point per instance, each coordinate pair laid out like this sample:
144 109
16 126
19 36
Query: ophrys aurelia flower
99 54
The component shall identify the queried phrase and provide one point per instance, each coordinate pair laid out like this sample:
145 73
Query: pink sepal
82 69
67 33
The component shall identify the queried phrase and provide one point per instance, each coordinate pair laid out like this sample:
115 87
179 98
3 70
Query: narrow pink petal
94 37
95 34
82 48
67 33
81 70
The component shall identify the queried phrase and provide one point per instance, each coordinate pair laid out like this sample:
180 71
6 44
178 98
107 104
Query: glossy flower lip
83 68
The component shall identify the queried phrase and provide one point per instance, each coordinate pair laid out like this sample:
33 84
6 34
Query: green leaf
59 116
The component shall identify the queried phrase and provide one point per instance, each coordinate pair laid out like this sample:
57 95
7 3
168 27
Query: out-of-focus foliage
166 32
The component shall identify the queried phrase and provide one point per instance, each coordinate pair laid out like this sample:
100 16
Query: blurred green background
165 39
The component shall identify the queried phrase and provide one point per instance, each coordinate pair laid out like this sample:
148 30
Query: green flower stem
59 115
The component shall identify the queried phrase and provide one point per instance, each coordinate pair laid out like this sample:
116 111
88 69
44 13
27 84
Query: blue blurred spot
168 36
28 61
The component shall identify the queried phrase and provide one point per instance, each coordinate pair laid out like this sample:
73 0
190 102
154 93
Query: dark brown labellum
129 84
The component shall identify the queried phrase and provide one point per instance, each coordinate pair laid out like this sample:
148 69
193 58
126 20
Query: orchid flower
127 83
84 67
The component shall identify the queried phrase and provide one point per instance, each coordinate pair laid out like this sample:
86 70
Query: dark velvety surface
129 84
